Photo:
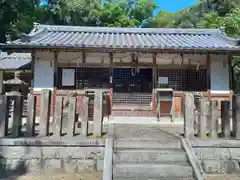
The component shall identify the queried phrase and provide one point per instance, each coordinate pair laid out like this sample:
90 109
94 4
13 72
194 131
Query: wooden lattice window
184 79
92 78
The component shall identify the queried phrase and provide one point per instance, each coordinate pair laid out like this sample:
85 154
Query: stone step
150 155
150 131
162 178
134 113
149 171
123 143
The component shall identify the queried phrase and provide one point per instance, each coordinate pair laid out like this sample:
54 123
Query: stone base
51 155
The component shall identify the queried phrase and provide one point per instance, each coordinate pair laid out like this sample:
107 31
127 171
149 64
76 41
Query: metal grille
132 98
129 88
92 77
184 79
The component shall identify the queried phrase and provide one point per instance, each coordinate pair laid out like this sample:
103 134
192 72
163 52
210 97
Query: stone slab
30 152
49 165
212 153
213 166
75 141
146 143
147 156
151 171
220 143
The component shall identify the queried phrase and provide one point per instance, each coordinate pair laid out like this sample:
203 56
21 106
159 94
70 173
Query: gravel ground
224 177
58 176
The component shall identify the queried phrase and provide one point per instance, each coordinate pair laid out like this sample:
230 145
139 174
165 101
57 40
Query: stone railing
202 118
76 110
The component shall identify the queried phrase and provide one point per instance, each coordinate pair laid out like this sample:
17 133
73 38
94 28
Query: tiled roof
47 36
15 61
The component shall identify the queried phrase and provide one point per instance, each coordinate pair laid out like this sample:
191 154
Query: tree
12 12
231 23
210 20
162 20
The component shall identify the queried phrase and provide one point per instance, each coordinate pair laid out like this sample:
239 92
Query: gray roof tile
120 38
15 61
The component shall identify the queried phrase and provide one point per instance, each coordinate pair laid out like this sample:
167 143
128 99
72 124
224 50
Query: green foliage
231 23
17 16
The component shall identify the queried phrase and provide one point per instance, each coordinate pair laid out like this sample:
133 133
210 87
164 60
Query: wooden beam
108 49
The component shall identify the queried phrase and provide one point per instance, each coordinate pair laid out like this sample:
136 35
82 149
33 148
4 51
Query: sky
173 5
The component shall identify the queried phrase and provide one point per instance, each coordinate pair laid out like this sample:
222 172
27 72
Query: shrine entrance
132 87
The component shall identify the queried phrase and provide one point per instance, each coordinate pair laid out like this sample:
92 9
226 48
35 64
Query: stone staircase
144 152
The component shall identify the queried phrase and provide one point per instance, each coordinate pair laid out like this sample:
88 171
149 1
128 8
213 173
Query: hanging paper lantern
43 3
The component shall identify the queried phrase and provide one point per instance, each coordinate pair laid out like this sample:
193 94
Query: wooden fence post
236 116
17 116
98 113
203 118
4 113
71 116
58 117
189 115
225 118
45 103
213 118
31 115
84 116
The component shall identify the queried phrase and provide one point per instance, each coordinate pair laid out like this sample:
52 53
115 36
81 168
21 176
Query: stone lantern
16 84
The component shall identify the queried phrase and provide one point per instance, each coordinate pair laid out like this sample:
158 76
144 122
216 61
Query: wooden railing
77 111
204 119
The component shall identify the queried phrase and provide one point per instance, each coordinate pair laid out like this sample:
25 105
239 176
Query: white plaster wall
43 75
219 74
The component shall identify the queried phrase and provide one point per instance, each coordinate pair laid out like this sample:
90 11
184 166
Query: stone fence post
189 115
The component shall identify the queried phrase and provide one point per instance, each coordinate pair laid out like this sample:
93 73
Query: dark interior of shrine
130 80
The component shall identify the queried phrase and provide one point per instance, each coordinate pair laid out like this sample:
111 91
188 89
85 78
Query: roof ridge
125 30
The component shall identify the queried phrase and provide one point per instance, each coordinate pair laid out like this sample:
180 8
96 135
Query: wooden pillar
83 61
208 67
236 116
55 80
33 55
231 77
154 78
189 115
111 80
1 82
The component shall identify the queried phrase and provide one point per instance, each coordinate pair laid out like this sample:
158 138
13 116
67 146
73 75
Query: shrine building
132 64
